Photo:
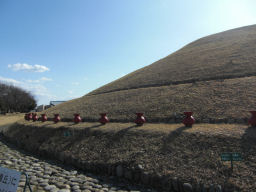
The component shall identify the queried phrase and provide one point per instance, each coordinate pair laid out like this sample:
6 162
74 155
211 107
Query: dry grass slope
228 54
166 149
213 76
230 99
7 120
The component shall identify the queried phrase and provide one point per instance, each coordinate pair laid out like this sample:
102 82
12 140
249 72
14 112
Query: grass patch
9 119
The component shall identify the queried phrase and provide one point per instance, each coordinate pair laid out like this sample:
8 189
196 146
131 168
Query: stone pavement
46 175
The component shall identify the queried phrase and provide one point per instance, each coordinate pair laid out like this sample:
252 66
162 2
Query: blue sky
63 49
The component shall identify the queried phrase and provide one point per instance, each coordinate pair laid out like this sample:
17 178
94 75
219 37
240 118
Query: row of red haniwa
140 120
188 121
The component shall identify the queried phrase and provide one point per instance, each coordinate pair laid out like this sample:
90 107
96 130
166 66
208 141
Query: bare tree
15 99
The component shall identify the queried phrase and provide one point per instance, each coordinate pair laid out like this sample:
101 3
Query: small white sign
9 180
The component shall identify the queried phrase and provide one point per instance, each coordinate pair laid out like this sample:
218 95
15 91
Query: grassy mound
229 54
211 101
212 76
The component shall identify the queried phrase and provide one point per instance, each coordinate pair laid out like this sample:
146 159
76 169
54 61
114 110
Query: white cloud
46 79
43 79
70 92
37 89
75 83
9 81
41 93
27 67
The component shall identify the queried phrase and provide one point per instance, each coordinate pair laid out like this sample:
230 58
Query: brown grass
166 149
224 55
213 76
6 120
216 100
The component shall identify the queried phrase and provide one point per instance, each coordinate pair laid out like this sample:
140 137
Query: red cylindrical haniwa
189 120
104 119
140 120
252 120
43 117
56 118
35 117
77 118
30 116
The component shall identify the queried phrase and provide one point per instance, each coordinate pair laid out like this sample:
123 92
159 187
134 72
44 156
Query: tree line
15 99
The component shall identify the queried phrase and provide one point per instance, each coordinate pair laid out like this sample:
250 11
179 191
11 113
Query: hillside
224 55
164 151
212 76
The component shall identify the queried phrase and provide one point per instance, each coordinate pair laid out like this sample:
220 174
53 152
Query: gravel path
46 175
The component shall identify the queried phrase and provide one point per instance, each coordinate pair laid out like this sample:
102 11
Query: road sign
9 180
67 134
231 157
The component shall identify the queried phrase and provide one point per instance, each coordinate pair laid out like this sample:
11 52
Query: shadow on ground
172 136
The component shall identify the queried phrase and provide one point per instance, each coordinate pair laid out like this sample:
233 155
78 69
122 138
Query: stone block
187 187
166 183
109 170
211 188
156 180
128 174
175 185
119 171
136 176
218 188
145 179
